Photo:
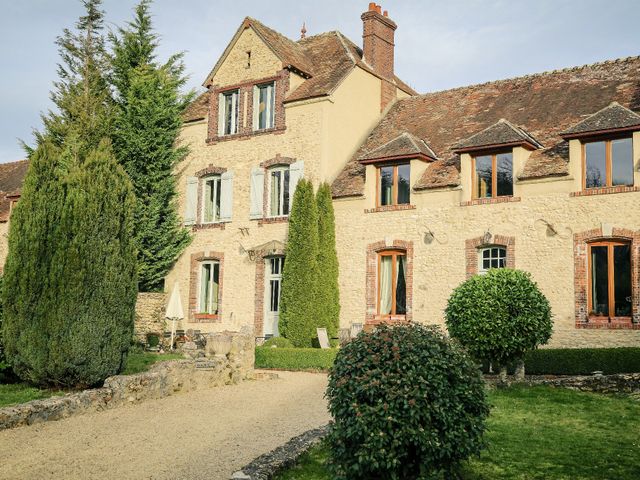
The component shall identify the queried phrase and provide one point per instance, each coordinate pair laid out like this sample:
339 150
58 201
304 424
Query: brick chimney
377 38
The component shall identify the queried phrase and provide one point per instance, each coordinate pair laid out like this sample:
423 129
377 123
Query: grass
541 433
139 362
15 393
295 358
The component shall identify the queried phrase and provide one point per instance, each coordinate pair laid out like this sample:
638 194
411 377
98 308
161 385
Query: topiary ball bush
407 404
499 316
279 342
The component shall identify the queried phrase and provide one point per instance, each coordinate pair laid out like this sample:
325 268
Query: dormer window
608 163
264 106
394 185
228 113
493 175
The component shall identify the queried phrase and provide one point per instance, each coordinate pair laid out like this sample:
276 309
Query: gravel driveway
204 434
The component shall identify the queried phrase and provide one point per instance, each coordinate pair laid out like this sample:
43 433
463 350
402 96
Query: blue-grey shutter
191 201
226 196
296 172
257 193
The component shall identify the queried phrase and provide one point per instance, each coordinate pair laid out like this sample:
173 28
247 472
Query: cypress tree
299 315
328 290
71 270
147 125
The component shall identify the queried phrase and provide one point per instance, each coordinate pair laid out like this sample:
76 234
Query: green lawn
542 433
15 393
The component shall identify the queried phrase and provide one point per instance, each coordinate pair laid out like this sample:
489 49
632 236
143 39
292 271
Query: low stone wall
150 309
232 365
619 383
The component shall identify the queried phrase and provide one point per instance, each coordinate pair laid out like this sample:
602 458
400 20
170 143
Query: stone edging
615 383
266 466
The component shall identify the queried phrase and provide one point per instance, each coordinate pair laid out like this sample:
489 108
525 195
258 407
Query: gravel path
205 434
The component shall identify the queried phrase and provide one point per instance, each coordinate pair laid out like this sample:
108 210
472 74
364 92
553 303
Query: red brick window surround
474 248
245 108
391 251
197 260
202 176
596 256
268 165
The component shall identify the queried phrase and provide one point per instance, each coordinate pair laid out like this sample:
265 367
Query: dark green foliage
499 316
299 308
407 403
278 342
5 370
147 124
582 361
81 94
295 358
70 276
328 296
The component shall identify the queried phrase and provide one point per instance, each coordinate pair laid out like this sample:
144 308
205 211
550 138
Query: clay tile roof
500 133
197 109
404 145
11 178
543 105
612 117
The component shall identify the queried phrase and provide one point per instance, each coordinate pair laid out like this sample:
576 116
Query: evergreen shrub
407 404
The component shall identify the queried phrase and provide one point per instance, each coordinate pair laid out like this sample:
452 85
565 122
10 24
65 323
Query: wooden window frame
494 174
610 244
393 253
394 184
608 156
278 168
271 120
200 312
481 251
235 117
215 177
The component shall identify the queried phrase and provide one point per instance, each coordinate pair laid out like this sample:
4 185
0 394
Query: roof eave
393 158
496 146
597 133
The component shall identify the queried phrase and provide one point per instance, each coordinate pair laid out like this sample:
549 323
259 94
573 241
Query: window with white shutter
296 173
257 193
226 196
191 201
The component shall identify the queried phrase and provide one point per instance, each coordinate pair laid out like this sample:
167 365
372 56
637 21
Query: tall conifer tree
147 125
299 315
328 290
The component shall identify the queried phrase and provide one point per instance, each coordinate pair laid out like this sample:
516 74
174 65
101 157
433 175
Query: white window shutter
226 196
296 172
257 193
256 106
191 201
220 114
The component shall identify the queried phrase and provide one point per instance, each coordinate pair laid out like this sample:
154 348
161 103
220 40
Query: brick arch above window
277 160
210 170
196 260
473 245
373 249
581 243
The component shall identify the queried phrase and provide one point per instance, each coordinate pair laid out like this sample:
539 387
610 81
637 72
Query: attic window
493 175
608 163
248 59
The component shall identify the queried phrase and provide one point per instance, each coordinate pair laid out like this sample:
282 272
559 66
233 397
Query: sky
440 44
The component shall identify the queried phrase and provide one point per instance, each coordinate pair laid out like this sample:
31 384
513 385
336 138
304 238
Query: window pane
622 274
386 185
504 162
386 284
275 295
599 280
216 213
622 161
401 286
483 176
285 194
205 279
596 169
275 192
262 106
403 184
215 288
209 200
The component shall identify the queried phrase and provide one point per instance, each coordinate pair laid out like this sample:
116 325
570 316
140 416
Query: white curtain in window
386 271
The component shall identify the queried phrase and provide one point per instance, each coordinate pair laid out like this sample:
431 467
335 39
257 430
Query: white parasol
174 310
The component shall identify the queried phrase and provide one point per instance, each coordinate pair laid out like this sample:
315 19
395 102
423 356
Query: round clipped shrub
407 404
279 342
499 316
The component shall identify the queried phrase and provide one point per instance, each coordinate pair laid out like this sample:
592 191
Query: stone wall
150 309
230 360
619 383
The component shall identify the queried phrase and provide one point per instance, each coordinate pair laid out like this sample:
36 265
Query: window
264 106
392 286
393 185
209 287
493 175
491 257
608 163
229 113
279 191
610 279
211 199
274 281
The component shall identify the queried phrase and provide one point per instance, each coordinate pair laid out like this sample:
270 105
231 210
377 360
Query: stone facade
150 311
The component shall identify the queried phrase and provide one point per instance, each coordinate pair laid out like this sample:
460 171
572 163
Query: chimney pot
372 6
386 13
379 8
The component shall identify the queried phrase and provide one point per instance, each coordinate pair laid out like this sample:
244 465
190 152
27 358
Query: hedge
579 361
295 358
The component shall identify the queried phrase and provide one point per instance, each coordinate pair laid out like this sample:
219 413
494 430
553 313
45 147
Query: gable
234 67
